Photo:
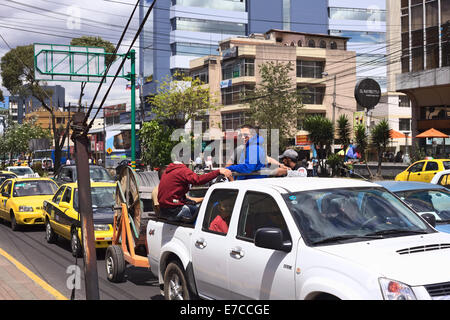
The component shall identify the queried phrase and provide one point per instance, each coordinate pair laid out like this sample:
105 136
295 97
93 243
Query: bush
335 162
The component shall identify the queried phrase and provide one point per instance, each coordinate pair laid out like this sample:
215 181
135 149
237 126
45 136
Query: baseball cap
289 153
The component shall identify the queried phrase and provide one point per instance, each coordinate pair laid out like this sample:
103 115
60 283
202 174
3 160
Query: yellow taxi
62 217
21 200
5 175
424 170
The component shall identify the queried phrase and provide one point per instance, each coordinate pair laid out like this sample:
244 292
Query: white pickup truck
300 238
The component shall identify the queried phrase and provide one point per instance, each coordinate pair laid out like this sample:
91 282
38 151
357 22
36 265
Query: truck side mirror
430 218
272 238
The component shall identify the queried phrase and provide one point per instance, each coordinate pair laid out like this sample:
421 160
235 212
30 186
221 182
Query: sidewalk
19 283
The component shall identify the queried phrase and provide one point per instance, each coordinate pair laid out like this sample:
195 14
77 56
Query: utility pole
133 108
81 142
334 114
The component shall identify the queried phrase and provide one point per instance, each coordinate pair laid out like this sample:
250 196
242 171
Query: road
51 261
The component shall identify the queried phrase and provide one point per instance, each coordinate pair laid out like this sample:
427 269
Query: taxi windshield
436 202
33 188
352 213
102 197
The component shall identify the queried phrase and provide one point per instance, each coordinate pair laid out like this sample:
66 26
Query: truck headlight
101 227
395 290
25 209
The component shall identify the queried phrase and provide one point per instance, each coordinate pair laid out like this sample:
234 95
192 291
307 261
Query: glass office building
181 30
364 22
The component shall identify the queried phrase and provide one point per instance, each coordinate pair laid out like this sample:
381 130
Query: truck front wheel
175 284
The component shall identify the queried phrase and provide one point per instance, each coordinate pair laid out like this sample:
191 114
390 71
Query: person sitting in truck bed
174 185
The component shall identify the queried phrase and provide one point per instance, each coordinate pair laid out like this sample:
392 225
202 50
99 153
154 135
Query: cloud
24 22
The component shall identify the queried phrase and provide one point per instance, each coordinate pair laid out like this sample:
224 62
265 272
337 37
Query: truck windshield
354 214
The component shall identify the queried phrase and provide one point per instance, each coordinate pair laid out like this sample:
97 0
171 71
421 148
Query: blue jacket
253 159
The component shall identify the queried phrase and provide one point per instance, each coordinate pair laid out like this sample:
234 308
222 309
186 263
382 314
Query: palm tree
362 141
380 140
321 131
344 130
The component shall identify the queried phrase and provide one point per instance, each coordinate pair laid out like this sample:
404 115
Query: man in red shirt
174 186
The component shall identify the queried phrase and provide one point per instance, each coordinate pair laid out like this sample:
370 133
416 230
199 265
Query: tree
380 136
362 141
176 103
86 41
321 132
344 130
275 103
16 137
17 71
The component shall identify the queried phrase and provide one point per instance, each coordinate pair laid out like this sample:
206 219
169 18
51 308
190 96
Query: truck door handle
200 243
237 253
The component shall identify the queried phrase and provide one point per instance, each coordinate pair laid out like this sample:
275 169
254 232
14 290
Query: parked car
424 198
442 178
424 170
68 174
300 238
23 172
62 217
21 200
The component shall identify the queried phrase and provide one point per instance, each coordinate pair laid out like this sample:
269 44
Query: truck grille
430 247
439 290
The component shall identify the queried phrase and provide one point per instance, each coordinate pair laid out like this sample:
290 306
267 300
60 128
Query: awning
396 135
432 133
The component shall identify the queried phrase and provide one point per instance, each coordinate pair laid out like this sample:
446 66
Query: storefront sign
367 93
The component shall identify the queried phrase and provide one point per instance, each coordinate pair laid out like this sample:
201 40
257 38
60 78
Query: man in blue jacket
253 158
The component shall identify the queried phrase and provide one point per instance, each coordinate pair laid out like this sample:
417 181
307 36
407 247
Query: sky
24 22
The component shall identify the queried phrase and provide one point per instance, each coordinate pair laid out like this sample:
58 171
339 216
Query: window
234 94
238 68
372 15
404 124
333 45
58 195
432 166
361 36
66 175
218 211
310 69
67 195
6 190
417 167
445 180
312 95
202 74
208 26
233 121
300 43
260 210
193 49
403 101
229 5
311 44
323 44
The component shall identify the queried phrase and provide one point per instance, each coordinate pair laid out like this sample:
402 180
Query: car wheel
50 235
115 264
75 244
175 284
14 225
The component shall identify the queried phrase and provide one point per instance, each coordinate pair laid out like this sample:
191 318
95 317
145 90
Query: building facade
237 70
425 68
181 30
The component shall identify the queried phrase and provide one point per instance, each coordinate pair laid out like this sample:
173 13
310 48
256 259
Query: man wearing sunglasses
253 157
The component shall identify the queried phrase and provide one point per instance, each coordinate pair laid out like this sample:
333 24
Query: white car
23 172
442 178
300 238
